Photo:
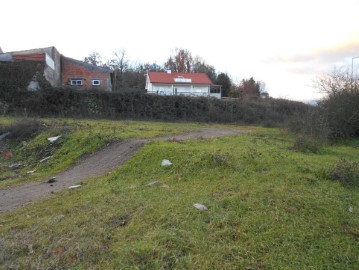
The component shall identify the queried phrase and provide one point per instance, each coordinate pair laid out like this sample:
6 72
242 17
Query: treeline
131 75
336 115
136 105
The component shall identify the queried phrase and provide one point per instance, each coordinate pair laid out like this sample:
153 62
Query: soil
97 164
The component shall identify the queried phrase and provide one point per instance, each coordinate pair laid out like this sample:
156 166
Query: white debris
200 207
3 136
350 209
75 186
152 184
31 172
53 139
45 159
166 162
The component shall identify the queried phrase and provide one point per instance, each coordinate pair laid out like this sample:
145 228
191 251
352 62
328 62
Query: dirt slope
94 165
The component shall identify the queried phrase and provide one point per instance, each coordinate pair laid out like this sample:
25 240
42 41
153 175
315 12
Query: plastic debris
165 186
350 209
75 186
30 172
166 162
152 184
53 139
45 159
200 207
3 136
16 166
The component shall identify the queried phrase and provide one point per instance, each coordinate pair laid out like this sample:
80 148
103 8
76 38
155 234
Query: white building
188 84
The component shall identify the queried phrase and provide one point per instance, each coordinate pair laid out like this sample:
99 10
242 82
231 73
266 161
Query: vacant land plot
269 207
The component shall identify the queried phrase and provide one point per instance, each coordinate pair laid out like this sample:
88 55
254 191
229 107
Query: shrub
22 129
346 172
307 144
137 105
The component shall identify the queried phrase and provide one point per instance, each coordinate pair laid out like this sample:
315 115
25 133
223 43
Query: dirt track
94 165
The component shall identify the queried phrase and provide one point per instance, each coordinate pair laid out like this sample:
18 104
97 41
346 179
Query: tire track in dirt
94 165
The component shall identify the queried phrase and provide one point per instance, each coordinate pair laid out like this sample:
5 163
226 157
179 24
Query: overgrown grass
78 137
269 208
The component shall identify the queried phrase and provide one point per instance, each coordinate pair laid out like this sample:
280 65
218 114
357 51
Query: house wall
182 89
50 56
74 69
52 70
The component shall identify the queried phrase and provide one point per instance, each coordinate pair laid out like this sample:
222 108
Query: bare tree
180 61
94 59
119 62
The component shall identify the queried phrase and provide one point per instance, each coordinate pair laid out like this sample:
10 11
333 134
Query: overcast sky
284 43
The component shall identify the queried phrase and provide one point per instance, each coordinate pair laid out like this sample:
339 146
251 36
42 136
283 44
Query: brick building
82 75
61 71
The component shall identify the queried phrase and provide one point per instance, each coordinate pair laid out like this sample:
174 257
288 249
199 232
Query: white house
188 84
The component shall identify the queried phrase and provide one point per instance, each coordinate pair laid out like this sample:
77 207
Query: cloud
319 59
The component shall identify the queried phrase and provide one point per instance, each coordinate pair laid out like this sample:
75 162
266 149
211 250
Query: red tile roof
164 77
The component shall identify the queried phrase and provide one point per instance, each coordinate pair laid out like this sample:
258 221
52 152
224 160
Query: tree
94 59
119 62
226 82
199 65
180 61
339 108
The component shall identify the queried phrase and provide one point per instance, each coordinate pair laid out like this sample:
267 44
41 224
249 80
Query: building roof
179 78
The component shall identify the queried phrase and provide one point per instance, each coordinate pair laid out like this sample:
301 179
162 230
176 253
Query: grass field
269 207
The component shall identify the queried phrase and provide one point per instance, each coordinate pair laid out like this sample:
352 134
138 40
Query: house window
77 81
96 82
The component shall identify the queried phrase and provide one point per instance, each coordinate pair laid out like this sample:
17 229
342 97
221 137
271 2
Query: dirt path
94 165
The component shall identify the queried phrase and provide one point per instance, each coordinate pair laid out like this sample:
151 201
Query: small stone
51 180
350 209
200 207
153 184
30 249
59 218
166 162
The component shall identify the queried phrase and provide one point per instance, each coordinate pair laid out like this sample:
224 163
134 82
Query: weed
306 145
222 159
22 129
346 172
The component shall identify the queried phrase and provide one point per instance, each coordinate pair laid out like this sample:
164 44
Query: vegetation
337 114
269 208
26 145
134 105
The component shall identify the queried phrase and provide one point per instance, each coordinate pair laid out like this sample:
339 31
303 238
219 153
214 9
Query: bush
22 129
346 172
137 105
307 144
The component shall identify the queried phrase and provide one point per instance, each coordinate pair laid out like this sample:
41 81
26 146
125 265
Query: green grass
79 137
269 208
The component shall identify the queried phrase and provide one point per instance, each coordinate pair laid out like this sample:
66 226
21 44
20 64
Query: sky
286 44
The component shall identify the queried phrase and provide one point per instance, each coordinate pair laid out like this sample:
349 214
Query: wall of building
74 69
52 70
50 56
